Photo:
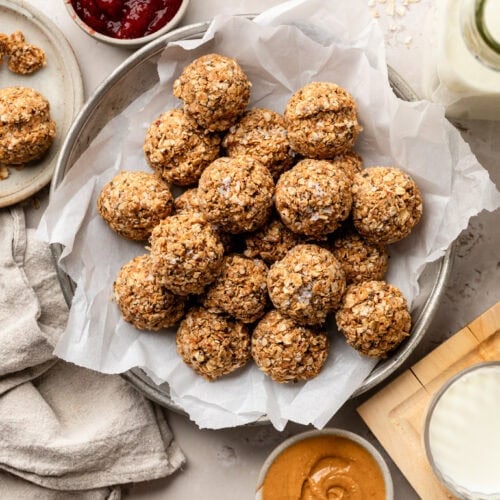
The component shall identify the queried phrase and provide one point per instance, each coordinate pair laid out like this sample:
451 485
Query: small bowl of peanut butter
331 463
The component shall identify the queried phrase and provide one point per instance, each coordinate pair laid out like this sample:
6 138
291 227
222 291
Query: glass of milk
462 433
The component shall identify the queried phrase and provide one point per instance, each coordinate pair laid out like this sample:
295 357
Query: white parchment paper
285 48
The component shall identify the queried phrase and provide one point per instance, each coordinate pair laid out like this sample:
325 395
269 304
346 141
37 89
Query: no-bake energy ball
240 290
188 201
177 149
143 300
288 352
133 203
26 128
314 197
215 91
186 252
211 344
307 284
374 318
321 120
236 194
261 133
387 204
360 260
350 162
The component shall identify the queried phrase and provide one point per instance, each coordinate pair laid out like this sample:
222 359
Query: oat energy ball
313 198
4 40
24 58
177 149
350 162
286 351
212 345
133 203
261 133
387 204
215 91
307 284
26 128
374 318
321 120
186 252
240 290
360 260
143 300
188 201
236 194
271 242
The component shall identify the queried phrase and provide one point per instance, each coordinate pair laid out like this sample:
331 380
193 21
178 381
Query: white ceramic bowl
131 43
389 488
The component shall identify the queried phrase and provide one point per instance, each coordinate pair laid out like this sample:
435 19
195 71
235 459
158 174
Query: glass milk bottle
464 70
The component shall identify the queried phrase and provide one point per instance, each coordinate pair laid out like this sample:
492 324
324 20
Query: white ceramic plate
60 82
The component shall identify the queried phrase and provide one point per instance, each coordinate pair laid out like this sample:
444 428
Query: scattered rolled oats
307 284
4 173
186 252
374 318
288 352
314 197
322 121
387 204
24 58
236 194
177 149
212 345
26 128
261 133
133 203
240 290
215 91
143 300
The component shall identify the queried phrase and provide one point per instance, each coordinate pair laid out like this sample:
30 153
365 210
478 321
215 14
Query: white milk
464 432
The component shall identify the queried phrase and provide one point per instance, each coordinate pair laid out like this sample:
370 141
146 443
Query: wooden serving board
396 414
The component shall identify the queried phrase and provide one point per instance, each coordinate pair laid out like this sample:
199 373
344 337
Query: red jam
126 18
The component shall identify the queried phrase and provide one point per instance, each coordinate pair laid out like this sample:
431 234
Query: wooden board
396 414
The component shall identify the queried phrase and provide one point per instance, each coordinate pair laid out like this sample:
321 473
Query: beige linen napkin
63 427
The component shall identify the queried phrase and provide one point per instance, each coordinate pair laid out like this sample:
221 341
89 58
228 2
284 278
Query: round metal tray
137 75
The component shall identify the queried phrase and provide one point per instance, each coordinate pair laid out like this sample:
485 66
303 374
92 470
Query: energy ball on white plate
271 242
240 290
133 203
360 259
24 58
314 198
215 91
212 345
321 120
26 128
177 149
286 351
143 300
307 284
374 318
186 252
387 204
236 194
350 162
261 133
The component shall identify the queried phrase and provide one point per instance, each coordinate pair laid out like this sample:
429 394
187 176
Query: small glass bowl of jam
126 23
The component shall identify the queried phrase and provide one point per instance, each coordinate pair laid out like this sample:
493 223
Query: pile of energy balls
280 228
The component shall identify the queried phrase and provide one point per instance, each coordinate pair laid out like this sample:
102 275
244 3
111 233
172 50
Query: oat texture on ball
133 203
215 91
186 252
307 284
143 301
26 128
177 149
321 120
374 318
387 204
240 290
213 345
286 351
314 197
350 162
236 194
24 58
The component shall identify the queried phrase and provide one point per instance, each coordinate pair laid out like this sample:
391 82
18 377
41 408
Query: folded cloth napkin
62 427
